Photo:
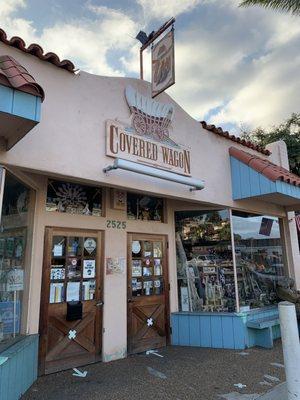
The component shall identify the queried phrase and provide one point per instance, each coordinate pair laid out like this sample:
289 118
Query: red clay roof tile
267 168
12 74
219 131
37 51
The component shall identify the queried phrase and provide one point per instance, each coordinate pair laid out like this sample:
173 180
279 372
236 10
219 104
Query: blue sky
238 68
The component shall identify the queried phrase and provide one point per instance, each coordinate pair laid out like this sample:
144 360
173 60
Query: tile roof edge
37 51
219 131
272 171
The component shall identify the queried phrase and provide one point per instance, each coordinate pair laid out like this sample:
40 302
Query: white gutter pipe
196 184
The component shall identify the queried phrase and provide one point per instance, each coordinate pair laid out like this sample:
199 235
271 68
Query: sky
237 68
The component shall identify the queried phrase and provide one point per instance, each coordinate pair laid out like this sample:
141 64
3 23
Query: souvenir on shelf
157 267
158 286
148 286
57 272
147 271
88 290
137 287
157 249
73 198
136 268
145 208
73 268
136 248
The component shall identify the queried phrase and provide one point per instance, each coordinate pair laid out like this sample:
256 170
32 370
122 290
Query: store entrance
71 300
148 293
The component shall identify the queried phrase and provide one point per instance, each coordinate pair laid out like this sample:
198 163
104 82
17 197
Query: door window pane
147 271
73 268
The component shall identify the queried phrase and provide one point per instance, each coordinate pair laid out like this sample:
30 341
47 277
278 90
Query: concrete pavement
183 373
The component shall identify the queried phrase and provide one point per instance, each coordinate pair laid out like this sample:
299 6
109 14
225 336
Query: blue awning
254 177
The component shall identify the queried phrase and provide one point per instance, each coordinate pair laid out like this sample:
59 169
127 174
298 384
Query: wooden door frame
146 236
45 289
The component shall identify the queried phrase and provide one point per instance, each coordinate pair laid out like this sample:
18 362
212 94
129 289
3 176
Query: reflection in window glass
259 258
14 234
204 261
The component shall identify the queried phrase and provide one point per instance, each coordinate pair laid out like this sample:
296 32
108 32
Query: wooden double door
148 293
71 300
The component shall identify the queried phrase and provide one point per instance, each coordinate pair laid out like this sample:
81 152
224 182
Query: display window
15 243
204 261
259 258
73 198
145 208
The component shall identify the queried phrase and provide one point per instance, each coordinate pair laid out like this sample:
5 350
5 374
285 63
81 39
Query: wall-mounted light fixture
119 163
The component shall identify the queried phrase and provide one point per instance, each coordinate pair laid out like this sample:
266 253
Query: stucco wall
70 142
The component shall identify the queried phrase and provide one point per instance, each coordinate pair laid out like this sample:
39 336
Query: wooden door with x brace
72 274
148 293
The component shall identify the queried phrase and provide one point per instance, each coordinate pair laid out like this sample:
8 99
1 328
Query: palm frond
292 6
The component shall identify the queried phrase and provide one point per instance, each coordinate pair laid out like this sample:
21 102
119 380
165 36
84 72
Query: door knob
129 300
99 304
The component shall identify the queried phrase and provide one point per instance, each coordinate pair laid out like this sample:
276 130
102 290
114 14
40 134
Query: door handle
99 304
129 300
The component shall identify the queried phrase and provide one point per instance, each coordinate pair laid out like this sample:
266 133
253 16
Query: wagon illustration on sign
149 117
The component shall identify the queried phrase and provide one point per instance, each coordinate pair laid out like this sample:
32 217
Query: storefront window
144 207
15 237
204 261
259 258
297 218
73 198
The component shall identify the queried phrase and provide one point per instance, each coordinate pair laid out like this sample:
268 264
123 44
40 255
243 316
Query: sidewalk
183 373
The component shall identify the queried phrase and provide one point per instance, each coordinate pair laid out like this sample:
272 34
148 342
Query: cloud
157 9
233 66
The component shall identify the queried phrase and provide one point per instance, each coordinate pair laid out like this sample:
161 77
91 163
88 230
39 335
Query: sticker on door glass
136 247
89 267
136 268
90 245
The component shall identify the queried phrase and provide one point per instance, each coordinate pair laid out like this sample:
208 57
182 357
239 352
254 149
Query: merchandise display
204 261
144 207
73 198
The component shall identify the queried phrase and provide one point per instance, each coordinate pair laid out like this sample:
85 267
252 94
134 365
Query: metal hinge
169 286
171 330
167 244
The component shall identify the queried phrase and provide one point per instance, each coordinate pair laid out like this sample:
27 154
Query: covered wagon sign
147 139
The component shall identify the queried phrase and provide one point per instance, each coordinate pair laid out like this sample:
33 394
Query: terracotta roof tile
219 131
37 51
12 74
267 168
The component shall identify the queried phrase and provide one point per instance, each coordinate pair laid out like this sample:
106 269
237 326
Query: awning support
196 184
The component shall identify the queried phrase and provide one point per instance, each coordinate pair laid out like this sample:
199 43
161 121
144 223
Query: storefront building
127 225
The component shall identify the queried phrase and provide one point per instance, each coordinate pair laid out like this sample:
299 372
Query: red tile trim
37 51
219 131
267 168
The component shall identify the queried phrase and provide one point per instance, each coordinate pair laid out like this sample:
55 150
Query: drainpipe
291 348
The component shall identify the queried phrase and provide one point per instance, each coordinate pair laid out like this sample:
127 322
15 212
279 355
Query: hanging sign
163 64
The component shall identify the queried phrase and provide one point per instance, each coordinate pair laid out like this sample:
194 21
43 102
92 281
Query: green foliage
289 131
292 6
